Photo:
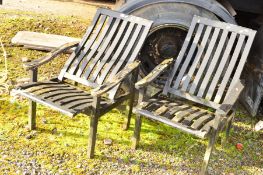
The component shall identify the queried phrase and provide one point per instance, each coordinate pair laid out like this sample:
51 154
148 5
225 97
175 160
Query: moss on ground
59 144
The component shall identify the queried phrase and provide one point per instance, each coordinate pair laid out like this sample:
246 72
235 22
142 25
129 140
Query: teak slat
200 121
189 56
219 73
197 59
204 62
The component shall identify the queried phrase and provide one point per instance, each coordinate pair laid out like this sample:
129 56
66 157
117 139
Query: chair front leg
137 130
127 122
93 127
131 100
138 121
32 104
208 152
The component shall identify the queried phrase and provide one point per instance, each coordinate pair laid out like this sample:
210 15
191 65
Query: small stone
29 136
25 59
54 131
44 121
107 142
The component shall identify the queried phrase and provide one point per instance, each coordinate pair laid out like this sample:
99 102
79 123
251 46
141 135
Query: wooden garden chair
101 62
203 84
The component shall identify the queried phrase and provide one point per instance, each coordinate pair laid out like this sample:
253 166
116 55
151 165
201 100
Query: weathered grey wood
197 59
32 104
117 79
230 67
41 41
208 152
159 69
201 121
204 62
93 127
182 114
241 62
102 51
97 44
213 63
50 56
220 68
189 56
114 58
198 133
201 77
232 97
131 102
189 119
92 41
110 55
180 56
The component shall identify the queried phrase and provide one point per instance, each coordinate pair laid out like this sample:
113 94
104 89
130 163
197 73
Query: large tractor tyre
171 23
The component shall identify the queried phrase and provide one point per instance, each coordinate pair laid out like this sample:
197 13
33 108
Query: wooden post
32 104
93 126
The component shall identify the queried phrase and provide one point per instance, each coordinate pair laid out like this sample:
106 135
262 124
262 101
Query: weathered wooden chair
101 61
203 85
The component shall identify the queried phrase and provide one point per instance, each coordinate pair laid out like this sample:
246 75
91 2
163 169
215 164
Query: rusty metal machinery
171 21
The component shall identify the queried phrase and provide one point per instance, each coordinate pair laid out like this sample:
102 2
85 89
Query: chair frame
127 73
224 112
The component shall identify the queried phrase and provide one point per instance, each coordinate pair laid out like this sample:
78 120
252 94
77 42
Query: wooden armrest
159 69
119 77
51 55
231 99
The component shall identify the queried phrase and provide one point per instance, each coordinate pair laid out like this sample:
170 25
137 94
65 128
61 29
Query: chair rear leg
229 125
32 104
32 115
137 130
126 125
208 152
92 136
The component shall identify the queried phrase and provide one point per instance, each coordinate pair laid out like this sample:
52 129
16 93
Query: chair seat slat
202 121
190 119
182 114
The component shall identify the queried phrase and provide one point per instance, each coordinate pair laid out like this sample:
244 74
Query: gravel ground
78 8
59 145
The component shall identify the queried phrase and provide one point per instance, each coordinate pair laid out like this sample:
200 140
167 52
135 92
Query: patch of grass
163 150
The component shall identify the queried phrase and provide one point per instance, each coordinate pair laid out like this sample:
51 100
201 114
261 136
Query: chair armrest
159 69
119 77
51 55
231 99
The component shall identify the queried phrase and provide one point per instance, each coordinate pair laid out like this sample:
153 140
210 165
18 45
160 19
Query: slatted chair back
112 41
210 61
